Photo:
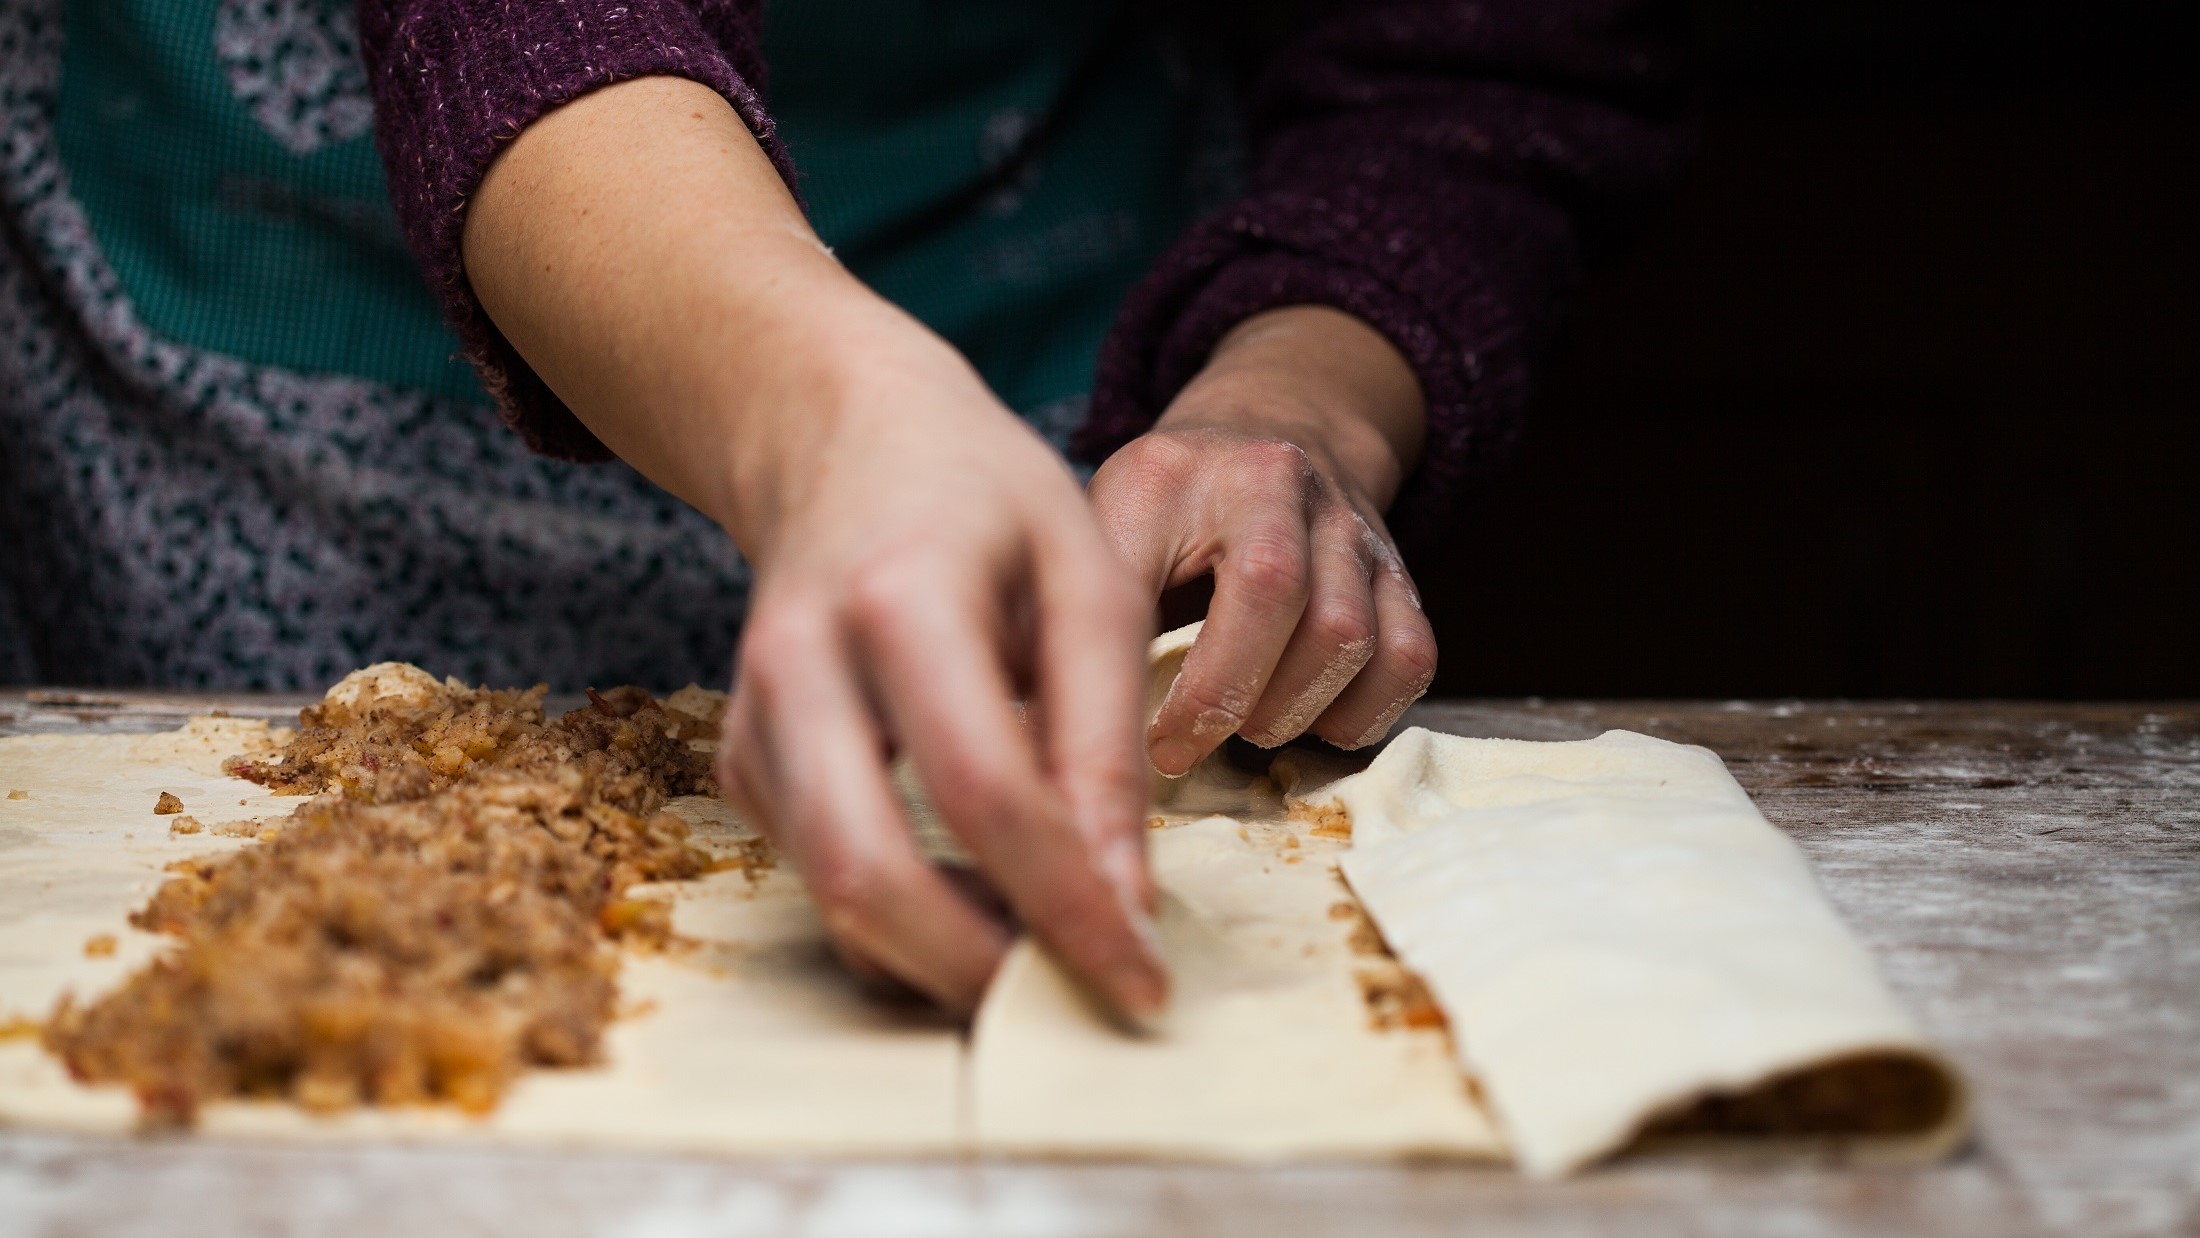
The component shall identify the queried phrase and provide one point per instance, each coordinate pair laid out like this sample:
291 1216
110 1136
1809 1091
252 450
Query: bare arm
923 560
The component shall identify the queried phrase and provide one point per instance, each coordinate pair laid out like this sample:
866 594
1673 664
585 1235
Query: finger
1261 587
977 891
1137 497
876 982
740 773
834 812
950 696
1089 700
1400 672
745 786
1335 638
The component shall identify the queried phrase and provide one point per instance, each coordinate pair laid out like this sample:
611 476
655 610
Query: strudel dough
1612 929
1615 932
1267 1049
751 1040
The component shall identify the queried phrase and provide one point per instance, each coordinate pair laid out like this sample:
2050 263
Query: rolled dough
1615 931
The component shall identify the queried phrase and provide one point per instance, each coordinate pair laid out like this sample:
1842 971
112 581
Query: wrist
816 387
1322 380
639 250
840 397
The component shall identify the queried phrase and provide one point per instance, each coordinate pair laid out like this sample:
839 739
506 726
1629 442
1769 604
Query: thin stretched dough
752 1041
1267 1050
1610 926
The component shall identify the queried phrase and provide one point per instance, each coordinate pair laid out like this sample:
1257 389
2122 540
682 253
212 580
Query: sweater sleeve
455 80
1441 170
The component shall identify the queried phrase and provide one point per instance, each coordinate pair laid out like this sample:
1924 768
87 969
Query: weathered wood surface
2029 874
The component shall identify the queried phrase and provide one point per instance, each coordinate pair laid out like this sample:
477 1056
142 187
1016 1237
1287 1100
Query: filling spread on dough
430 736
440 917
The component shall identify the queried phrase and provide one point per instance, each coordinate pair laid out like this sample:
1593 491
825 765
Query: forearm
1443 180
643 255
1321 379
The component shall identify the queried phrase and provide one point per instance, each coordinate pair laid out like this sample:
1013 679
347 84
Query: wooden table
2029 874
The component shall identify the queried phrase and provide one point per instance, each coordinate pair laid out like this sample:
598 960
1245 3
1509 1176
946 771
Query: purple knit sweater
1439 169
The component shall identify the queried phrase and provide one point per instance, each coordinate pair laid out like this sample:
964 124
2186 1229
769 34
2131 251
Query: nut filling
635 750
446 918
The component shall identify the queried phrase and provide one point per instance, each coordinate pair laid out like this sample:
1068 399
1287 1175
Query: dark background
1898 396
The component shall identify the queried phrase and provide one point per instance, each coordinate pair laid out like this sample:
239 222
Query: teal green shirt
234 185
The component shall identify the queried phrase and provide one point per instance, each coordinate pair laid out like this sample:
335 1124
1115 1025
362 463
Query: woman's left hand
1271 470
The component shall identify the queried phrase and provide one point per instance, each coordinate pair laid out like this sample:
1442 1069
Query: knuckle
1270 568
1277 462
1161 455
1209 702
771 636
1348 733
880 589
852 896
973 797
1411 648
1345 624
1145 471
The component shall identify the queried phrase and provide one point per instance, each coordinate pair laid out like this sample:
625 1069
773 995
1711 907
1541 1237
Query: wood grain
2029 875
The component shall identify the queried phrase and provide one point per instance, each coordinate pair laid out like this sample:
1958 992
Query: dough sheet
1267 1050
751 1040
1612 930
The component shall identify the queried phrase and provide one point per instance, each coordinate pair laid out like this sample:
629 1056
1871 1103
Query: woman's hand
935 566
923 560
1271 470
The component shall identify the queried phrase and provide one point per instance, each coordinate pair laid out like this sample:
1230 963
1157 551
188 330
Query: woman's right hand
923 561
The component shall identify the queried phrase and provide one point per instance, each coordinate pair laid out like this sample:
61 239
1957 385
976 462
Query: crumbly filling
635 750
1329 821
440 918
1394 996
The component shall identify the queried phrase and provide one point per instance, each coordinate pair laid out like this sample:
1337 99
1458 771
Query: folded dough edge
1624 945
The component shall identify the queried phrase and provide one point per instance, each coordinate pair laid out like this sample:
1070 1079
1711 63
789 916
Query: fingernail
1144 1021
1123 860
1140 985
1173 756
1141 997
1148 934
